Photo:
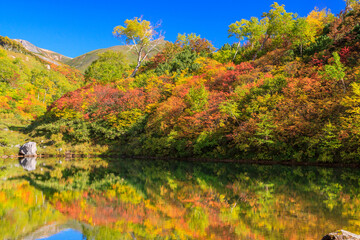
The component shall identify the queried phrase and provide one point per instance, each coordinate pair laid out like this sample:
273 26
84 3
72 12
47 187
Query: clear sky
74 27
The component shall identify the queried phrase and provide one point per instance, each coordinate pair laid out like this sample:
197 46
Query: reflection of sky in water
68 234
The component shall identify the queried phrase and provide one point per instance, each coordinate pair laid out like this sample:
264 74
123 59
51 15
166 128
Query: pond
96 198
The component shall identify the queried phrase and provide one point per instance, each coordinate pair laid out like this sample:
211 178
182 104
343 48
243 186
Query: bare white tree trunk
143 52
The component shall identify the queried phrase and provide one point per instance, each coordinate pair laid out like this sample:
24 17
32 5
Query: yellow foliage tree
141 36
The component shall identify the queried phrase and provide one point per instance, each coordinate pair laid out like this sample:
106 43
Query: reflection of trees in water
28 163
223 200
23 209
157 199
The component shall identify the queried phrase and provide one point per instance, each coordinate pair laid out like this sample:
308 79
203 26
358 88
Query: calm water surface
138 199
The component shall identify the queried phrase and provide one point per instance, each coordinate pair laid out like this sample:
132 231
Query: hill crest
45 54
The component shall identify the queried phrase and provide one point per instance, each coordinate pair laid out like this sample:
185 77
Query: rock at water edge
28 149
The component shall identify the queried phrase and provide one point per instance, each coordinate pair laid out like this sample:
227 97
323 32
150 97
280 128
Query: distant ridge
45 54
82 62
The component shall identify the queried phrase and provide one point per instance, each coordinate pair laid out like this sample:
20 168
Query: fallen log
341 235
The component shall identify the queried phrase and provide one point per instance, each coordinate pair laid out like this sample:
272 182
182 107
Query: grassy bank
13 134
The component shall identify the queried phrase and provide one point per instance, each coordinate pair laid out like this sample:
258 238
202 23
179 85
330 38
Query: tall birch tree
141 37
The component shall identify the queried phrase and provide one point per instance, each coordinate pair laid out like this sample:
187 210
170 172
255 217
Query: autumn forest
288 90
157 139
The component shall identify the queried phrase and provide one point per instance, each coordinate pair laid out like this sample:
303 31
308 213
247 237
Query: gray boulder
28 149
28 163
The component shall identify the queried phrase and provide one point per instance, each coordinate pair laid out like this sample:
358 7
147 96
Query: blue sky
74 27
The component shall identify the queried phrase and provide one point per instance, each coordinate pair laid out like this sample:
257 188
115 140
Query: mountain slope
45 54
83 62
29 83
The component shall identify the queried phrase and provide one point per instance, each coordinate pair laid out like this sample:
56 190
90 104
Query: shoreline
210 160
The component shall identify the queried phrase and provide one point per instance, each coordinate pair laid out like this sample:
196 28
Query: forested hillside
287 91
28 83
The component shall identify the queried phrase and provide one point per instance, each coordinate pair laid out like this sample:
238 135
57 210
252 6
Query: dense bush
110 66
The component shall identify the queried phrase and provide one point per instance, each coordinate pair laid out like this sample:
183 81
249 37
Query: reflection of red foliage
98 209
